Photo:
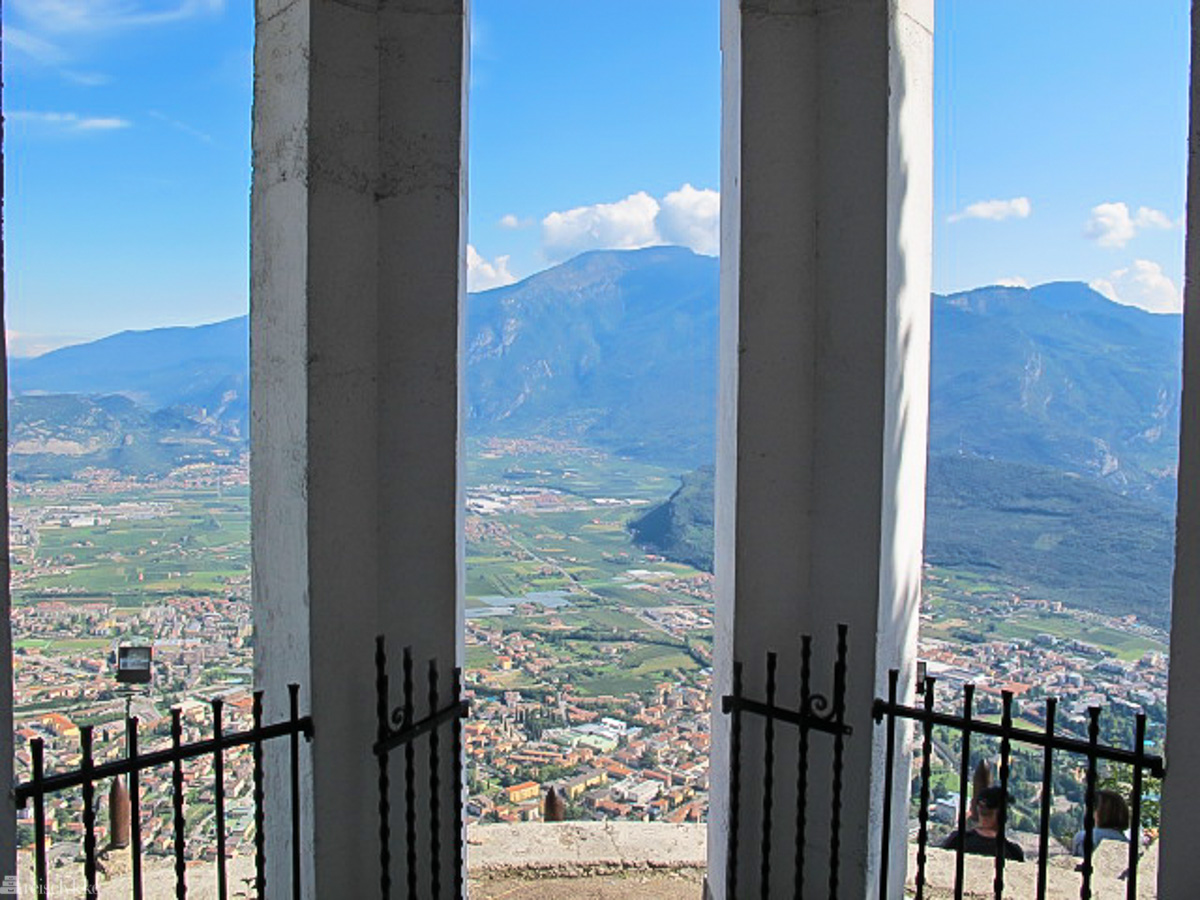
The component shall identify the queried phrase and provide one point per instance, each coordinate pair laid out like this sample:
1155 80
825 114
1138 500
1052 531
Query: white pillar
357 270
1179 864
826 270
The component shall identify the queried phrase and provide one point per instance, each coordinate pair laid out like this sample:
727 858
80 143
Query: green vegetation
148 544
951 607
999 528
1045 533
683 526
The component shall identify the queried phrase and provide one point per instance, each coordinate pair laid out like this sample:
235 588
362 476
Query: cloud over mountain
691 218
1142 284
688 217
483 275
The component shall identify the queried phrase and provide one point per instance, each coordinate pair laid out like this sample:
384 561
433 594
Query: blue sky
1061 140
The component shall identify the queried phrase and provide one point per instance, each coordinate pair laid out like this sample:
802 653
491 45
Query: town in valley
588 658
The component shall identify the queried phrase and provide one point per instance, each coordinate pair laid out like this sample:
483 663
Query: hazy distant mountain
141 402
56 435
615 348
618 348
201 371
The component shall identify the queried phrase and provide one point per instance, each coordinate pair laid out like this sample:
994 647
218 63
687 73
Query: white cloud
483 275
1153 218
692 218
1112 225
688 217
996 210
513 223
1105 287
66 16
1015 281
108 123
19 42
1142 284
624 225
69 122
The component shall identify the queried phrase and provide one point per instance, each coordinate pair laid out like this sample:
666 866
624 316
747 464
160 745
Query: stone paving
623 861
586 861
682 884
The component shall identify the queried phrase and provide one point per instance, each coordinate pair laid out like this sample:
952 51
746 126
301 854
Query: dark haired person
1110 819
981 839
980 782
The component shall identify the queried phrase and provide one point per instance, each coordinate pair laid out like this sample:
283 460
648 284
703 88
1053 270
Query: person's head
1111 811
988 805
982 779
980 782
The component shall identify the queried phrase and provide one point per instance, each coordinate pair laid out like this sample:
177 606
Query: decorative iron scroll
400 728
821 713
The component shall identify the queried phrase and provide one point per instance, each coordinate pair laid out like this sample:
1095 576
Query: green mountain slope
1050 534
1038 531
615 348
682 527
1058 376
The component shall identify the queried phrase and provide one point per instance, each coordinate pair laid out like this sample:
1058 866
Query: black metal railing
816 713
399 728
41 785
1048 739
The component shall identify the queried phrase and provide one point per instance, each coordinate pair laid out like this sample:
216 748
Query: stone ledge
577 848
1020 879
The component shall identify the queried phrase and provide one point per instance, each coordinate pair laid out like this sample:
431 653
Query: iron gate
816 713
400 729
1050 740
826 715
135 763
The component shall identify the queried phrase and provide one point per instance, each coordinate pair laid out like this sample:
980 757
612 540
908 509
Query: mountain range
618 349
1059 376
141 402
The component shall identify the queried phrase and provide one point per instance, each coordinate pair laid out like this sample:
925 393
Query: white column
1179 864
826 270
357 268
